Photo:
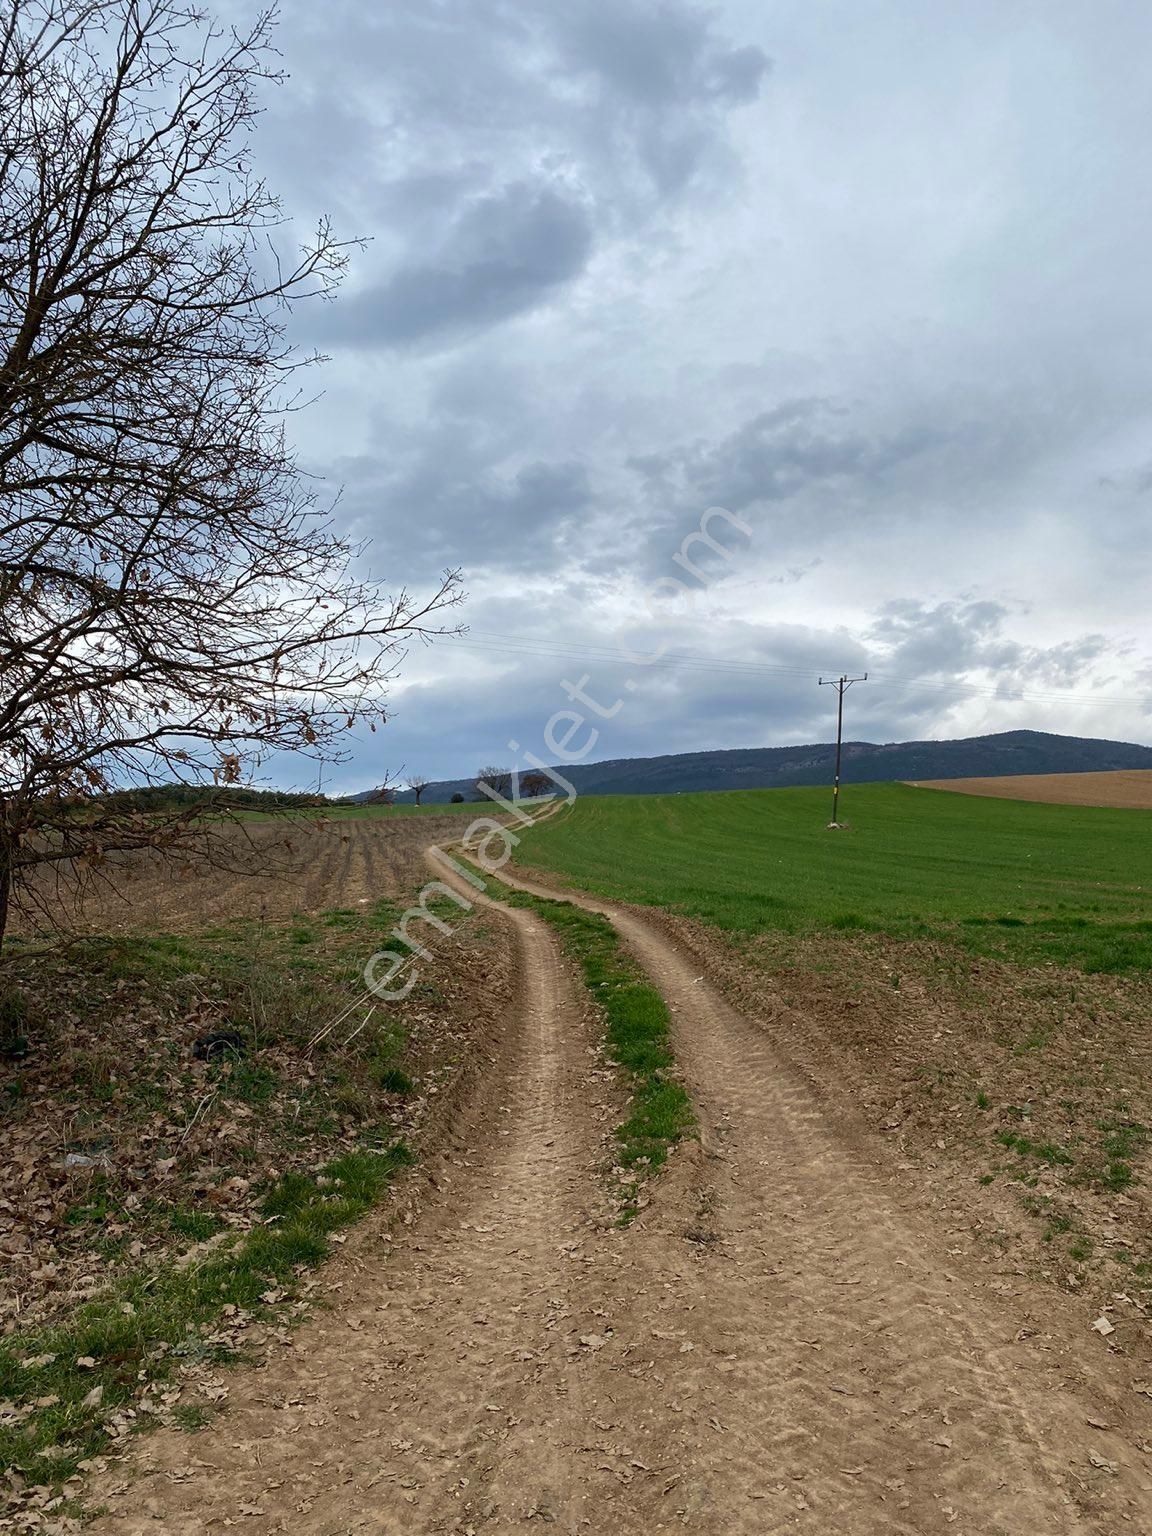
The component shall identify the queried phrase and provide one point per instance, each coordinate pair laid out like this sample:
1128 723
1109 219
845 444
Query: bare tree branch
174 604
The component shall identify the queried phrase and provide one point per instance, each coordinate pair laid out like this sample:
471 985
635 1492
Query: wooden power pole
841 685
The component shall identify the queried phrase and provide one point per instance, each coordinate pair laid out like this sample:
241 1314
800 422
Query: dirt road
776 1344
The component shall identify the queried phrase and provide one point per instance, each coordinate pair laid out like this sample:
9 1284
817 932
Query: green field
1028 882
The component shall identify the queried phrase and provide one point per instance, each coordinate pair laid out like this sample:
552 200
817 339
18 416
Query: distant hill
864 762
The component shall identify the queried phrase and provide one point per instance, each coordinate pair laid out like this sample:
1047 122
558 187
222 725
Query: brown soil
1129 788
262 869
783 1341
949 1060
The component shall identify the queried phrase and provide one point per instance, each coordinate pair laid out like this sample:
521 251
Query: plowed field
259 869
1126 788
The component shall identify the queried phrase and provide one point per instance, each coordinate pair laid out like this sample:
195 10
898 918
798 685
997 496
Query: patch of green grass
1122 1138
277 986
1117 1176
394 1080
1020 881
149 1319
190 1417
1120 1142
189 1222
1024 1146
249 1081
636 1023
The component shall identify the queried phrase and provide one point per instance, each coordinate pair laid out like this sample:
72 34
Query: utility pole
841 685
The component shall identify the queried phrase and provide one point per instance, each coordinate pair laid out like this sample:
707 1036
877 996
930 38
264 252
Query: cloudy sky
871 275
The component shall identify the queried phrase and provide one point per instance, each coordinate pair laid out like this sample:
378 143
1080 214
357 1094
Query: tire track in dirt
872 1388
771 1347
385 1416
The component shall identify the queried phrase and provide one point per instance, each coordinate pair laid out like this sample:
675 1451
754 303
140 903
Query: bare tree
174 603
533 784
496 780
418 784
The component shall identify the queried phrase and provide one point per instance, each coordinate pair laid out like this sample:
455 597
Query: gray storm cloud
506 253
875 284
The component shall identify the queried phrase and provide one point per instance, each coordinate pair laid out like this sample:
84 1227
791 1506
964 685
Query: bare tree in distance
533 784
417 783
497 780
174 602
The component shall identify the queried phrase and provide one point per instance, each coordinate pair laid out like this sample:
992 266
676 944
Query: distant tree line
179 797
501 781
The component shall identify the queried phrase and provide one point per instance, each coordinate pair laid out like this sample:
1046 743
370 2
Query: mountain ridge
991 756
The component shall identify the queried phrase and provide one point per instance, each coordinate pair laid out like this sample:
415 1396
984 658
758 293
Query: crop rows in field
260 869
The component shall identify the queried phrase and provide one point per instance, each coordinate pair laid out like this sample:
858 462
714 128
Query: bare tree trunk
7 859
